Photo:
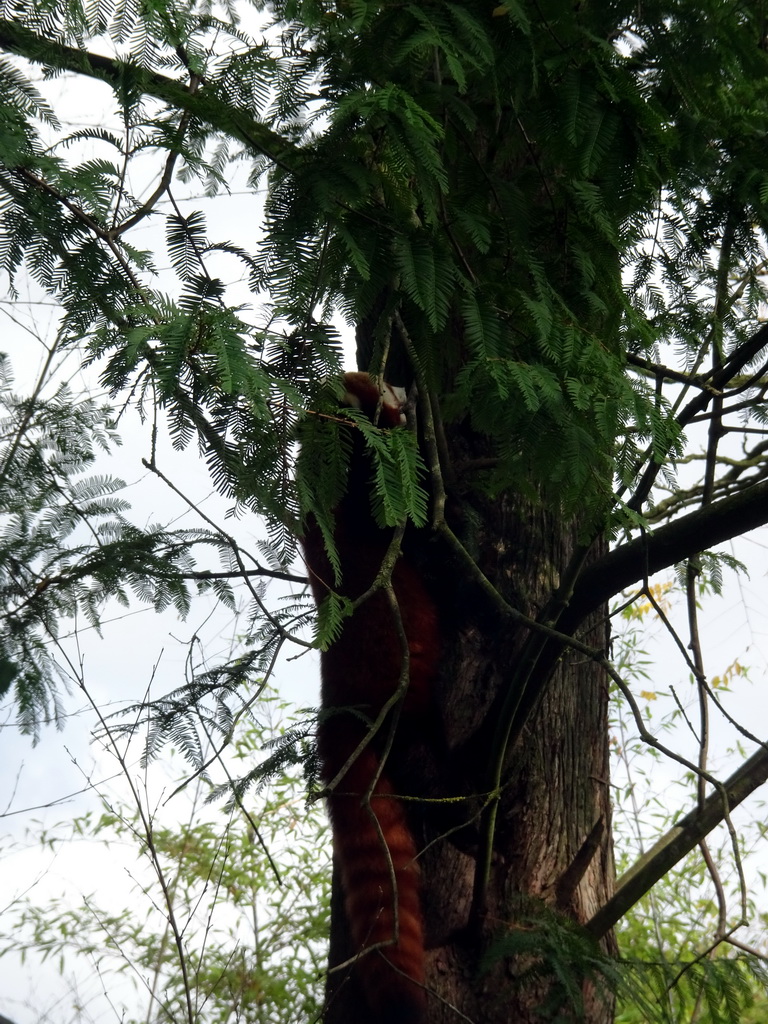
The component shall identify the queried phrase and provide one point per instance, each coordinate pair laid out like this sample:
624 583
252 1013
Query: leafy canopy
516 181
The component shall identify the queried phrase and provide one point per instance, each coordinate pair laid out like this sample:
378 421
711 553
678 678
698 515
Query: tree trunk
497 967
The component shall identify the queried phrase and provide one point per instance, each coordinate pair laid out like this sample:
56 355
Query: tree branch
662 372
672 543
715 382
202 103
274 574
679 841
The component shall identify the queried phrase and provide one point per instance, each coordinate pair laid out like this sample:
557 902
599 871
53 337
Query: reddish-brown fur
361 670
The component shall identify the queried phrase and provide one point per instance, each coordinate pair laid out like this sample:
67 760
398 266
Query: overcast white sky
52 782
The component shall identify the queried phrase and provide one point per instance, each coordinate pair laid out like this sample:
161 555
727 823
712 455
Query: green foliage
675 965
708 568
327 440
726 988
671 967
555 957
398 469
653 985
497 182
397 492
66 546
331 616
250 903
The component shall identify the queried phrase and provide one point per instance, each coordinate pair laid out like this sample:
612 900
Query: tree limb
713 383
662 372
202 103
679 841
642 557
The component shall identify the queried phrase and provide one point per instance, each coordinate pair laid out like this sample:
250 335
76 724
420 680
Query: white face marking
394 398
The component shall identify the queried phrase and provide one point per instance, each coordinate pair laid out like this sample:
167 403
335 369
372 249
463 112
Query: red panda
360 672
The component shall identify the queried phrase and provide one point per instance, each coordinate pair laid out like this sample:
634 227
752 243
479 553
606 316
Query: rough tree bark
556 792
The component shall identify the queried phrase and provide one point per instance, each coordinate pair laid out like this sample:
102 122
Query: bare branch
717 382
668 373
679 841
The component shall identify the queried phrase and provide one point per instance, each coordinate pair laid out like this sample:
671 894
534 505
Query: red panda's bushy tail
375 848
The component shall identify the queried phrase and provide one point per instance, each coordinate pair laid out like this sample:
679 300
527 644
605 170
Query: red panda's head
360 392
